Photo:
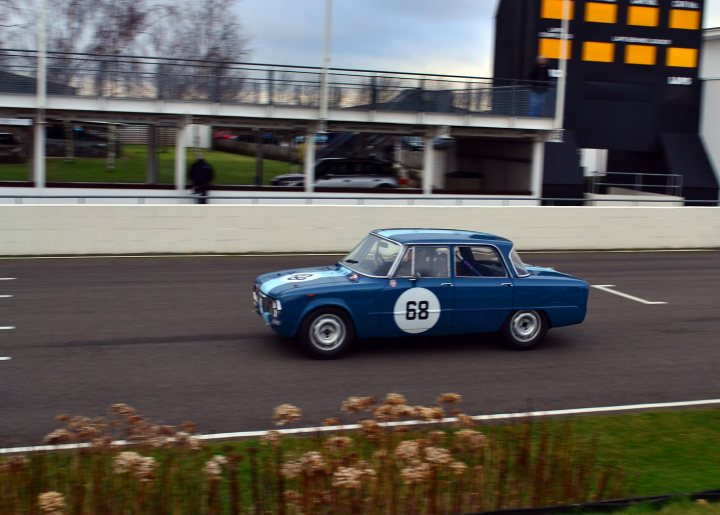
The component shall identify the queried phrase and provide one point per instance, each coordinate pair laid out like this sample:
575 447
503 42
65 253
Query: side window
432 261
406 264
478 261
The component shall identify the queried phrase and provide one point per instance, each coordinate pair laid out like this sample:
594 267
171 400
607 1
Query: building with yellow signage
633 88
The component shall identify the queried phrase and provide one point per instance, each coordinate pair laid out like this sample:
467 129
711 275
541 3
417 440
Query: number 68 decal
416 310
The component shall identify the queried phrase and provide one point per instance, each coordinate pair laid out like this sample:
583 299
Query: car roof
445 236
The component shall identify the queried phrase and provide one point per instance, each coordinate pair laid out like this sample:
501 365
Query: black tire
524 329
326 333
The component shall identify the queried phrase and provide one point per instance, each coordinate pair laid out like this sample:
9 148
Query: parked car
404 282
342 172
11 149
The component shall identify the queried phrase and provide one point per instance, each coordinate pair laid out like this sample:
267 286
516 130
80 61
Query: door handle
447 284
509 285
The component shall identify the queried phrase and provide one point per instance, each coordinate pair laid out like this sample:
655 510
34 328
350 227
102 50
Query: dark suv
344 172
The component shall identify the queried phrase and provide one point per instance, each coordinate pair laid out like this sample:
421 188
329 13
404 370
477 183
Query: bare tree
208 34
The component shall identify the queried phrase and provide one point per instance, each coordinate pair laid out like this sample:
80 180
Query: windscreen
374 256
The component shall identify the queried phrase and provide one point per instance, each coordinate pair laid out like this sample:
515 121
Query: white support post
310 160
428 171
536 168
39 172
180 161
326 67
39 177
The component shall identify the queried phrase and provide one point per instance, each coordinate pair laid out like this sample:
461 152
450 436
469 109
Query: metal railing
657 183
142 77
318 199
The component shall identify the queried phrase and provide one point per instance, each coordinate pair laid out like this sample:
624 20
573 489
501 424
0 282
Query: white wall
86 229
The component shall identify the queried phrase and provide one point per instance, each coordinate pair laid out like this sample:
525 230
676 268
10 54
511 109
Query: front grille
263 304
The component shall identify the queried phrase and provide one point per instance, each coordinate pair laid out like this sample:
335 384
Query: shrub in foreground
444 463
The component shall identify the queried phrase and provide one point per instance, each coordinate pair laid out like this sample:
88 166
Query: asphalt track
176 337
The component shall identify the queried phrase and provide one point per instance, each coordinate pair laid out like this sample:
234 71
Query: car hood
276 283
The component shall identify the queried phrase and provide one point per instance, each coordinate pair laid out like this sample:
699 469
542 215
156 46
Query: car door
418 299
484 289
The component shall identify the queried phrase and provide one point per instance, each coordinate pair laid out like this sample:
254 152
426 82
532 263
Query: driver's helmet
386 251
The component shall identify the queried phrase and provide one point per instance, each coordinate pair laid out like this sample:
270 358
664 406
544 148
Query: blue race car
402 282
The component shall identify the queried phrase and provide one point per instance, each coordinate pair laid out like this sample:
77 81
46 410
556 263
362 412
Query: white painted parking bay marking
609 288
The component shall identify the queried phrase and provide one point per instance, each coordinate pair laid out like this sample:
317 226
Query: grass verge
230 169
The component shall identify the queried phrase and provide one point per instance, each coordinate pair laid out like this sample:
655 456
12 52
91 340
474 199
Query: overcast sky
450 37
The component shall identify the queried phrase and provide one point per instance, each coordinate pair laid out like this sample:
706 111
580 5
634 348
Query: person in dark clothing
539 84
201 175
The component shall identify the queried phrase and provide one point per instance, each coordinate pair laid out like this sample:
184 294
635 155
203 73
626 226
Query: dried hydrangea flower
187 441
51 502
395 399
437 455
145 469
357 404
407 450
286 413
465 420
337 443
214 467
470 439
370 429
125 462
59 436
449 398
291 469
347 477
312 462
332 422
123 409
429 414
416 474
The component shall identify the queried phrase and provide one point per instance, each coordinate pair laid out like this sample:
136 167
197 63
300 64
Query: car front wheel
524 330
326 333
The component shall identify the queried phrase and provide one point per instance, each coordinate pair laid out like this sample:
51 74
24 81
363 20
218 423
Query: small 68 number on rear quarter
326 333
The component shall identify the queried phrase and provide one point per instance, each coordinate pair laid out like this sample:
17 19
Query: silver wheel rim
327 332
525 325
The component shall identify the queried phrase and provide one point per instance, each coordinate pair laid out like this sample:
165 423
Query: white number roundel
417 310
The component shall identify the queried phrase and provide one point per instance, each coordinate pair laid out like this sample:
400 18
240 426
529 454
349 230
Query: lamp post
326 66
41 99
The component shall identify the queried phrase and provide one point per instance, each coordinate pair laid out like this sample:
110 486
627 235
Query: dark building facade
632 85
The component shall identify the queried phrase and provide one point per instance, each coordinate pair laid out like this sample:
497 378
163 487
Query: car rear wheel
326 333
525 329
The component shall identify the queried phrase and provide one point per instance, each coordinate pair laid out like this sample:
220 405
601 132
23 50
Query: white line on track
8 278
5 358
480 418
7 327
609 288
5 296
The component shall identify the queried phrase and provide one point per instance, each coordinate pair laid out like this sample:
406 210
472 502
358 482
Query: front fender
319 303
